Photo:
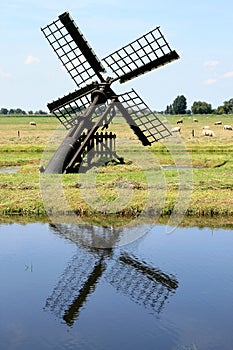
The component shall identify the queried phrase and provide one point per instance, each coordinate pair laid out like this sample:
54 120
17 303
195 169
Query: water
163 291
9 170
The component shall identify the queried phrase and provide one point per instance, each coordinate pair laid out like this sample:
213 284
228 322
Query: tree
179 105
200 107
40 112
16 111
3 111
228 107
19 111
169 110
219 110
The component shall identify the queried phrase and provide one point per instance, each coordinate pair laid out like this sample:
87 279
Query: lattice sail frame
143 117
148 52
70 108
142 283
71 283
72 49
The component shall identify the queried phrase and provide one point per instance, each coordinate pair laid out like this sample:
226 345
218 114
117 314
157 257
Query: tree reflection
129 275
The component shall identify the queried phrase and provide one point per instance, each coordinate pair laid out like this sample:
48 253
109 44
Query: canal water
162 291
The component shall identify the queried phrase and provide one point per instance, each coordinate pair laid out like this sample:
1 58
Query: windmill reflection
142 283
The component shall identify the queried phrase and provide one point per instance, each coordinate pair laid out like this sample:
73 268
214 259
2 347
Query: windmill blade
75 285
73 50
148 52
72 313
141 118
69 108
142 283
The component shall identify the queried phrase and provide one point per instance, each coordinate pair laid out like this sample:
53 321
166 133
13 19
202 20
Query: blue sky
200 31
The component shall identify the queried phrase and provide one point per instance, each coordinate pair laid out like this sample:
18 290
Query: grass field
210 158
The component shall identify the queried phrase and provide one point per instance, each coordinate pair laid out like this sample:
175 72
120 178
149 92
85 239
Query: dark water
163 291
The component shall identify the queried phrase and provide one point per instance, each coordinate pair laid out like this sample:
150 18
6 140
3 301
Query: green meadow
190 167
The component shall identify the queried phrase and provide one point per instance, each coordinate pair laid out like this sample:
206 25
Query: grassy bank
22 145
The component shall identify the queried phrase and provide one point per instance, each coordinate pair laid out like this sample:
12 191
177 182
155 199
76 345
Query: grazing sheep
218 123
32 123
206 127
180 121
195 120
227 127
207 132
175 129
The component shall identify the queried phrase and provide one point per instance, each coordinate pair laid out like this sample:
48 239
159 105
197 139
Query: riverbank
210 188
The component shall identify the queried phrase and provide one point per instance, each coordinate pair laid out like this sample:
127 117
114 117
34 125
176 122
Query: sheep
218 123
180 121
207 132
33 123
227 127
175 129
206 127
195 120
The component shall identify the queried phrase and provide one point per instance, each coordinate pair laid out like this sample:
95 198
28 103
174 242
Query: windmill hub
92 106
102 98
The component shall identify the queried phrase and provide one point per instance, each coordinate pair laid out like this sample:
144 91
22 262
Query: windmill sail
148 52
73 50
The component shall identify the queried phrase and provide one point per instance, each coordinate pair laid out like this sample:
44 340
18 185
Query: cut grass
212 176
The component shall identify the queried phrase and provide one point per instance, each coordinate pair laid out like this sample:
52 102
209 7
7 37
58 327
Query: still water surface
163 291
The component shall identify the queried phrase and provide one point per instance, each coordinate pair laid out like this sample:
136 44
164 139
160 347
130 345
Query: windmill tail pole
68 147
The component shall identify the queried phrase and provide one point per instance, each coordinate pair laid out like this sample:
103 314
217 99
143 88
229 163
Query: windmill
93 105
138 280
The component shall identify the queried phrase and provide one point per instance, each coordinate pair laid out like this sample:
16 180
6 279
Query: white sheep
207 132
218 123
175 129
206 127
33 123
227 127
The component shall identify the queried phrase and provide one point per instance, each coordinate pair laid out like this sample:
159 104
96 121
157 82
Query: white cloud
4 74
211 63
228 75
210 81
31 60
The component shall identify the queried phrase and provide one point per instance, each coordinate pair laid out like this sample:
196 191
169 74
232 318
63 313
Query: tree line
11 111
179 106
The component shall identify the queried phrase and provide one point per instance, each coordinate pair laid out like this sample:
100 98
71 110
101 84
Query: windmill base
101 149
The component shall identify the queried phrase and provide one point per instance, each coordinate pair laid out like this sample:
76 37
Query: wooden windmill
93 105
